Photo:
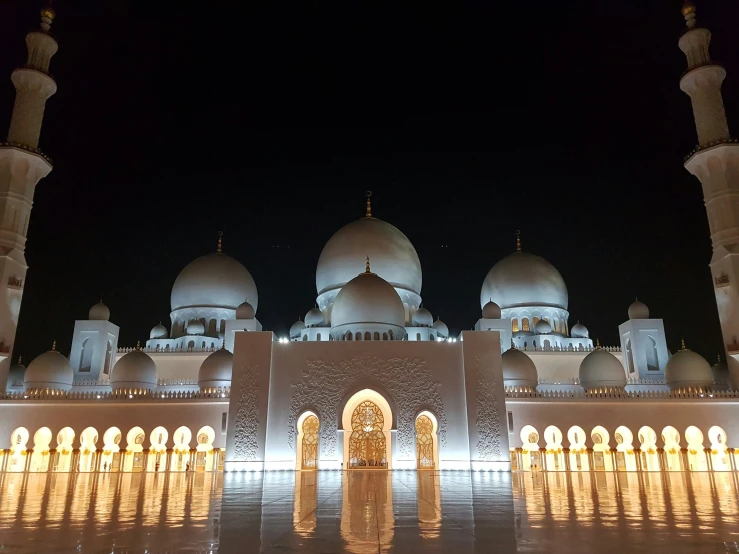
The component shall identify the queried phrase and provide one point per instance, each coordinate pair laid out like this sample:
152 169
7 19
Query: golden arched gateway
367 445
310 442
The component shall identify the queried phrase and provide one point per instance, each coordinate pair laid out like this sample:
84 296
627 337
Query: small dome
368 298
216 370
491 311
195 327
721 378
213 281
686 368
542 327
135 370
523 279
245 311
601 369
99 312
638 310
441 328
16 374
50 370
579 331
296 328
158 332
314 318
519 370
423 318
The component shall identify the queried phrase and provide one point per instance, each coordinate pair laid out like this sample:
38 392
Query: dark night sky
269 120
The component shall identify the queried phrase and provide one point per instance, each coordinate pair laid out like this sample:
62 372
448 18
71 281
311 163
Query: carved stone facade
246 423
488 423
408 381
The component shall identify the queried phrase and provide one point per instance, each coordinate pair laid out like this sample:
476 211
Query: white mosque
369 379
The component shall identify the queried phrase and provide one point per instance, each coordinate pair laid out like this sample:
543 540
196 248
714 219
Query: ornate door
367 441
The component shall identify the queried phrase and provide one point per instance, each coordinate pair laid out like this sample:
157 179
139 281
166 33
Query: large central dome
214 280
392 254
523 279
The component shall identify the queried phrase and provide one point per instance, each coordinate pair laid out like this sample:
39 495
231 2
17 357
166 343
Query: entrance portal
367 441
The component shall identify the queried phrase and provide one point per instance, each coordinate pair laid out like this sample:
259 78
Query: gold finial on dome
220 242
597 344
518 240
138 345
367 266
682 344
20 360
47 16
53 346
719 359
368 209
513 345
223 344
688 12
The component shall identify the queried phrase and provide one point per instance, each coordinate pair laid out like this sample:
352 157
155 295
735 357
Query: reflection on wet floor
370 511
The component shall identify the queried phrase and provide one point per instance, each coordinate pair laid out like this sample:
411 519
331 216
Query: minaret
715 161
22 166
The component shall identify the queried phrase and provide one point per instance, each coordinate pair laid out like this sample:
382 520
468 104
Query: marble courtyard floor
370 511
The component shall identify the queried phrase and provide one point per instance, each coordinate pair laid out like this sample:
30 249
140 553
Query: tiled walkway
370 511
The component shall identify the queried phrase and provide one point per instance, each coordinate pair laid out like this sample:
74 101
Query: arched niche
427 438
308 441
381 428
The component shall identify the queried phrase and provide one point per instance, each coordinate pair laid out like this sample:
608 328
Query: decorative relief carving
488 422
246 425
722 280
323 385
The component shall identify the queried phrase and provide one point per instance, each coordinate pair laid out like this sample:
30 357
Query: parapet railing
167 349
690 393
570 349
137 394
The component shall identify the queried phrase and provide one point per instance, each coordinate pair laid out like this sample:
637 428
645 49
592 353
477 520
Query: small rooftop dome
579 331
441 328
686 368
601 369
491 311
423 318
195 327
158 332
638 310
542 327
50 370
296 328
245 311
216 370
314 318
99 312
135 370
519 370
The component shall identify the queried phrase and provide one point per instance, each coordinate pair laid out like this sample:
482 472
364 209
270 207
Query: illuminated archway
111 460
696 451
157 450
671 441
427 441
601 449
40 459
531 458
625 456
134 457
205 437
88 451
63 458
578 451
18 452
719 450
308 427
649 456
367 420
555 456
181 451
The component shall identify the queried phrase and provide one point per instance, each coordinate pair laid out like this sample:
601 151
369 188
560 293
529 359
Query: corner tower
715 162
22 166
